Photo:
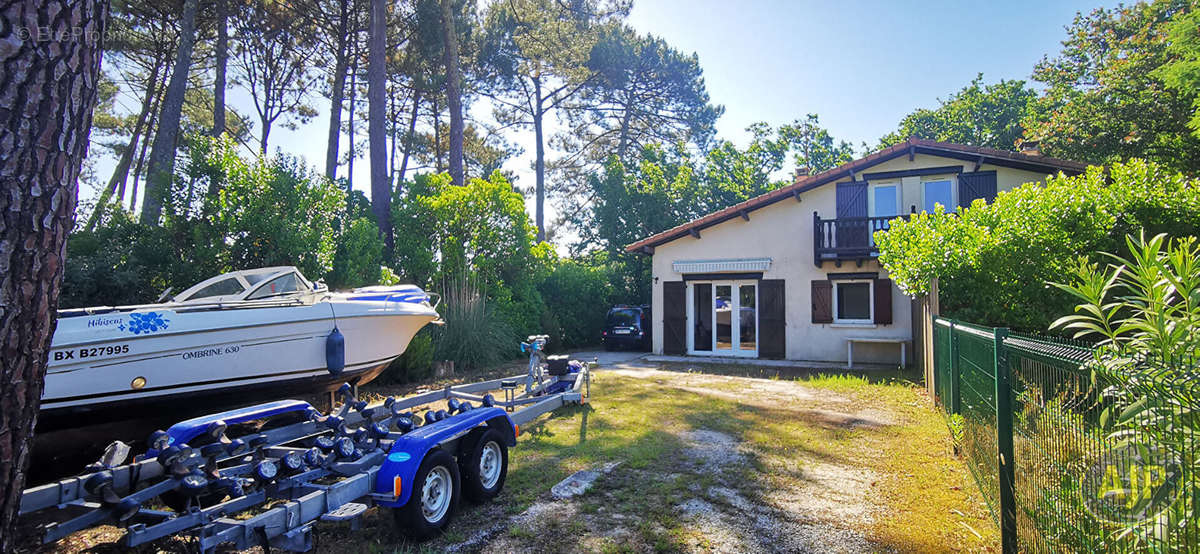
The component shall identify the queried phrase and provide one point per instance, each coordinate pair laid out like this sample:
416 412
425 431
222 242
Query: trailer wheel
434 497
484 465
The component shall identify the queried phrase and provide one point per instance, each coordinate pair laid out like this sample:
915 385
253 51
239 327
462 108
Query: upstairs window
938 192
885 200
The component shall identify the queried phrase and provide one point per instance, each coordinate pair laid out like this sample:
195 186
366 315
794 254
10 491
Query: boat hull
121 375
104 359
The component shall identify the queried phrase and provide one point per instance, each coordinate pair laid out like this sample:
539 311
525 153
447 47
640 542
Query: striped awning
739 265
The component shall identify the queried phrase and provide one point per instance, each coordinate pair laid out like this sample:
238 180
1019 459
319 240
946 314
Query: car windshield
623 318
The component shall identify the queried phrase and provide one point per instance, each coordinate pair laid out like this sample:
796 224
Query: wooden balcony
847 238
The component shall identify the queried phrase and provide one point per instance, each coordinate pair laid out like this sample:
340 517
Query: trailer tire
430 506
484 465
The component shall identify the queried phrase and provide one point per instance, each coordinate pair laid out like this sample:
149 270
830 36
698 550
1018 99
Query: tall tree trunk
266 133
351 147
408 138
453 91
162 154
393 115
222 54
121 173
623 142
337 96
47 94
540 161
381 186
141 159
437 136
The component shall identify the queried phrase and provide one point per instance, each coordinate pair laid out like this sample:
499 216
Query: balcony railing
847 238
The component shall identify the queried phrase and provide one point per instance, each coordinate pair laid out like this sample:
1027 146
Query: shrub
1143 310
356 262
266 211
577 297
122 262
416 363
225 213
479 233
992 260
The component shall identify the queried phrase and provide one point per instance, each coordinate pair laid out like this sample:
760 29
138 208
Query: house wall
783 231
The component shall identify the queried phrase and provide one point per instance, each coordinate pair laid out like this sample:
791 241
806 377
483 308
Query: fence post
955 397
1004 441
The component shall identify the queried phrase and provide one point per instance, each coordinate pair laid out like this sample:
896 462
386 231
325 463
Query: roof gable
910 148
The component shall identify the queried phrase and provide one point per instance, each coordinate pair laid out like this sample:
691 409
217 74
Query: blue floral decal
148 322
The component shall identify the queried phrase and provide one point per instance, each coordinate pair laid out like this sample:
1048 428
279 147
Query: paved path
614 360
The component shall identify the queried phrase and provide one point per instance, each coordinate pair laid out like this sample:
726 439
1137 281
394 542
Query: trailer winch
284 465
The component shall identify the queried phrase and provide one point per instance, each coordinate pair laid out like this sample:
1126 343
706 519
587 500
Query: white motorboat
235 339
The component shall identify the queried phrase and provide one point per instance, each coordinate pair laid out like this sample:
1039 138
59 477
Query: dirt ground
711 461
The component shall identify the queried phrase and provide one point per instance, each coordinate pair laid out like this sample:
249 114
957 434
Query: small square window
852 302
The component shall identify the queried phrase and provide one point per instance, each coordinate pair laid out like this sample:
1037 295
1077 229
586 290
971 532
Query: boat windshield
224 287
256 278
284 284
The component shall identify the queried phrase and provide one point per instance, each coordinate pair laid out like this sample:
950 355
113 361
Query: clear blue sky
860 65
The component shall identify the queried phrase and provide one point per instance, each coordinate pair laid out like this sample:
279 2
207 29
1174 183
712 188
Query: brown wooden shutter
883 301
976 185
772 319
822 302
674 317
851 214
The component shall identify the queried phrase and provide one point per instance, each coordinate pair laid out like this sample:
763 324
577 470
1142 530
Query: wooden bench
850 347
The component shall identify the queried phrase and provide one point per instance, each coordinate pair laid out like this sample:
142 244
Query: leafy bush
122 262
1144 309
992 259
356 262
416 362
271 211
225 213
479 233
577 297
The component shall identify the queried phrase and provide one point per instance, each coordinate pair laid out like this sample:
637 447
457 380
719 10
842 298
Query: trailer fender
184 431
505 427
399 468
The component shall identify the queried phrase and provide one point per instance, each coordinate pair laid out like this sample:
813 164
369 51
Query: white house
793 273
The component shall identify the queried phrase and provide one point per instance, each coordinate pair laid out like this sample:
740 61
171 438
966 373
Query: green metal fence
1071 457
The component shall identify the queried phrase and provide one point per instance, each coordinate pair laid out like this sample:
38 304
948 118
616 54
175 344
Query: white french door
723 318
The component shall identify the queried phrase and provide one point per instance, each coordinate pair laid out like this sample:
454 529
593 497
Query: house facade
792 274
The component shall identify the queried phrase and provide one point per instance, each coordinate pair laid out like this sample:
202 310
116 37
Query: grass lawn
721 462
716 461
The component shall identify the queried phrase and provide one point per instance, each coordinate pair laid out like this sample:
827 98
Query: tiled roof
909 147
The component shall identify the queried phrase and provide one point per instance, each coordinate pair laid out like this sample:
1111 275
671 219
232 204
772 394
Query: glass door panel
702 317
722 312
748 320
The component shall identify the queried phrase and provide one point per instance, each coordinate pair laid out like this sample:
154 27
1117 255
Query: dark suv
627 327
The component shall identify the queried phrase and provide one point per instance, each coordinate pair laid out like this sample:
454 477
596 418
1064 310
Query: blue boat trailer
295 466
